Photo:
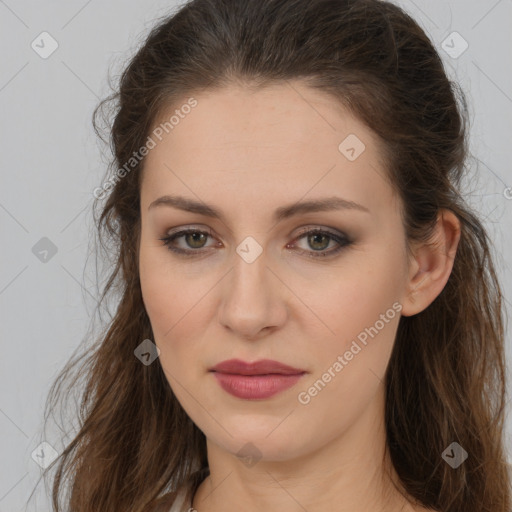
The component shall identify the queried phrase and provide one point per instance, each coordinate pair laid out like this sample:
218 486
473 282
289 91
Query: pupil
316 236
195 237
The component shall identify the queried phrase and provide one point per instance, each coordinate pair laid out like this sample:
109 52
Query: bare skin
248 153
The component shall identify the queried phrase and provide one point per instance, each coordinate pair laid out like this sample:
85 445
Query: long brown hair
445 381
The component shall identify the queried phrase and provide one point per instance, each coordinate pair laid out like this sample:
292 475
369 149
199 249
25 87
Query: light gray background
51 162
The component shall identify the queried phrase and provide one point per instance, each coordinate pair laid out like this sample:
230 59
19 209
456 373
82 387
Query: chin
256 444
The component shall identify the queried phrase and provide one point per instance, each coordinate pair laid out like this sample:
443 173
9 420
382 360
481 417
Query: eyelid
314 228
193 228
302 230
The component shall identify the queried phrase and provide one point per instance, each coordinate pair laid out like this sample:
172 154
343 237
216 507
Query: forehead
274 144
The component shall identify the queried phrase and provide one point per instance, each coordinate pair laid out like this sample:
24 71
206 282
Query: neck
347 473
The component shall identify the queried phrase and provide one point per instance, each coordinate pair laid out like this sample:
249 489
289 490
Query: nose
254 299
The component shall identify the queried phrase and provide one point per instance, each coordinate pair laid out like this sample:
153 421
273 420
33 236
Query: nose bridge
250 268
249 279
251 299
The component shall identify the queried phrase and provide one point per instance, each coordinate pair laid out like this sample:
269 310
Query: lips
262 367
255 381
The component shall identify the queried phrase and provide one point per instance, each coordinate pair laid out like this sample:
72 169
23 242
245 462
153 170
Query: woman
309 314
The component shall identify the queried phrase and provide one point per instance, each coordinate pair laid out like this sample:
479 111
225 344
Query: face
317 289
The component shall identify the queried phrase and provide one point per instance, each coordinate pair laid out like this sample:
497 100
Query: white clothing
179 505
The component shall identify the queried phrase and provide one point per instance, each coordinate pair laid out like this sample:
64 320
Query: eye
317 239
194 238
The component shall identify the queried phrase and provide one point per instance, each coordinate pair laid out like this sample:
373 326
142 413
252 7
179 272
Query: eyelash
341 239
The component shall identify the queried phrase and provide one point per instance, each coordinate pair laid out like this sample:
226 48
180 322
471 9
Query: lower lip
255 387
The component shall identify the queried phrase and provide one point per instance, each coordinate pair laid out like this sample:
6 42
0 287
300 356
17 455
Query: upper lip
261 367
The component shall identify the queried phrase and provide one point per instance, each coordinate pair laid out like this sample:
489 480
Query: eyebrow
281 213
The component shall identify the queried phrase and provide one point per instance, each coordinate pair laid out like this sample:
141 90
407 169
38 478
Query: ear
431 264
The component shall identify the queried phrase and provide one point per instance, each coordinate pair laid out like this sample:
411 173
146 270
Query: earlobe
432 264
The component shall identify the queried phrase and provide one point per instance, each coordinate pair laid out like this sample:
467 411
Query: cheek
174 302
355 296
164 295
164 287
350 366
158 292
362 308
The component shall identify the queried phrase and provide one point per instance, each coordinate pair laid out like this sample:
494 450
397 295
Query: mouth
255 381
262 367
